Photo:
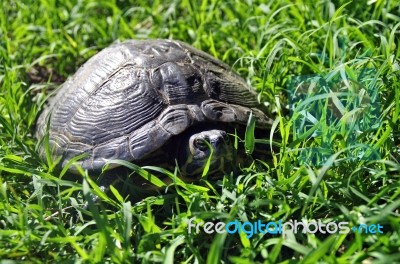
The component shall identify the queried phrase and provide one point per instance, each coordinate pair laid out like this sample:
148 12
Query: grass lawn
329 73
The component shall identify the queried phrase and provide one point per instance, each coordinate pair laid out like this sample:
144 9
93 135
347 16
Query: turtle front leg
231 113
173 120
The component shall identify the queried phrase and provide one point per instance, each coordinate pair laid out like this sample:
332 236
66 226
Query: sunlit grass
45 216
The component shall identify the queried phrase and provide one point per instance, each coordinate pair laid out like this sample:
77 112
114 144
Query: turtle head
198 147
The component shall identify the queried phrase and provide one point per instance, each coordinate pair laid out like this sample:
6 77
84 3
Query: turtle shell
130 98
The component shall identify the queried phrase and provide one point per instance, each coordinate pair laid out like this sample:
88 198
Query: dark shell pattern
130 98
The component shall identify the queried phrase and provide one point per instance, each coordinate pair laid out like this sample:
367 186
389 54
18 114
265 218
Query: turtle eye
200 144
225 136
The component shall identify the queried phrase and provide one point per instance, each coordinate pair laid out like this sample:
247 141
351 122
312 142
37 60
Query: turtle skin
129 99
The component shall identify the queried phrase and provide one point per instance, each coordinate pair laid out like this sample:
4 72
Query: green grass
42 217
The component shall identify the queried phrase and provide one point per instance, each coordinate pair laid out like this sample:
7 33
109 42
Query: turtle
149 100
